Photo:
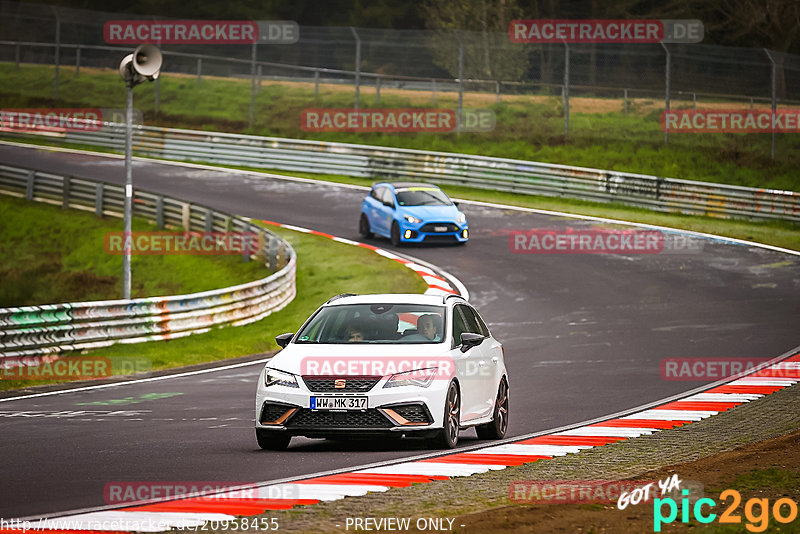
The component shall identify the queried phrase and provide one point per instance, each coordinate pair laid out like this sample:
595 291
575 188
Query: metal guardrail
498 174
37 330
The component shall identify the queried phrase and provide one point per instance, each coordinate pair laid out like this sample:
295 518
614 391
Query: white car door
471 367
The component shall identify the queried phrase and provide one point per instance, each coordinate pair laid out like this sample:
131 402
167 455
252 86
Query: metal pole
496 92
566 90
199 70
774 97
378 90
57 51
460 83
625 102
433 91
252 84
358 64
258 75
694 100
158 94
666 93
126 232
77 61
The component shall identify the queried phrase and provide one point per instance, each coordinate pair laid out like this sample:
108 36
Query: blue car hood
432 213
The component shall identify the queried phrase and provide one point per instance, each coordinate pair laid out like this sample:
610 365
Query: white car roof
390 298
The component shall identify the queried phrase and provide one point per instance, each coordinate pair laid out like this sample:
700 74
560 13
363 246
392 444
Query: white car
376 365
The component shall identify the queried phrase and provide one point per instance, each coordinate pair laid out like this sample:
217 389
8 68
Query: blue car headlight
412 219
461 218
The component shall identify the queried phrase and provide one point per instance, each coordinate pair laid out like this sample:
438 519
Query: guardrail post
16 56
273 255
659 181
209 221
29 185
378 90
65 192
566 90
160 211
199 70
666 92
358 64
186 217
78 61
98 199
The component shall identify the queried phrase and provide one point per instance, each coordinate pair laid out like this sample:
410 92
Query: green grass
48 255
324 268
527 128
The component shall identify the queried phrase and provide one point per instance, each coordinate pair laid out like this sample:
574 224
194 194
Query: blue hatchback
412 213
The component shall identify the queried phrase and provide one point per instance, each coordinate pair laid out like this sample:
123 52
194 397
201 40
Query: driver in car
426 326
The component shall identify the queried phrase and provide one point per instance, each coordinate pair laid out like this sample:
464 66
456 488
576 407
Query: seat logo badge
339 383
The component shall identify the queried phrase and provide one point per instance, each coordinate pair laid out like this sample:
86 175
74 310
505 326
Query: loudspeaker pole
127 238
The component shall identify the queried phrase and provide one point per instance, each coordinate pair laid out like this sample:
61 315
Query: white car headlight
418 377
412 219
461 218
274 377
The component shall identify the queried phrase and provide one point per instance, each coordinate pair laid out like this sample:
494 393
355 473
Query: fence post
65 193
78 61
30 185
496 92
694 100
358 63
566 90
199 70
625 102
252 84
316 83
460 82
209 221
160 211
433 91
666 92
774 97
378 90
258 75
158 94
98 199
57 50
16 56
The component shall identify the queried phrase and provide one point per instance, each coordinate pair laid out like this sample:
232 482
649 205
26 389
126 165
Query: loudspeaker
143 65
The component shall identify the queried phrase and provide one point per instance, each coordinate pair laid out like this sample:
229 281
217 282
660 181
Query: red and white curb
439 282
229 505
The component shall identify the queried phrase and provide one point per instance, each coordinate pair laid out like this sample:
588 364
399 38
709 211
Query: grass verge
324 268
528 127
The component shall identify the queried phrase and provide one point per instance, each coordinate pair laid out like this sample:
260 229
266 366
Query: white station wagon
385 365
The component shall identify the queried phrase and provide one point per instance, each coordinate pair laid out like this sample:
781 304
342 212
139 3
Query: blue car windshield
422 196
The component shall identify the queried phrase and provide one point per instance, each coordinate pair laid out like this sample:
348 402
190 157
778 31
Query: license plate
338 403
439 228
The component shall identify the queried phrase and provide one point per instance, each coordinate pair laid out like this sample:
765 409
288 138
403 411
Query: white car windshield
375 323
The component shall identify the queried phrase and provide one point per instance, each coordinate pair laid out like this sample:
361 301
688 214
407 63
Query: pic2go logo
757 522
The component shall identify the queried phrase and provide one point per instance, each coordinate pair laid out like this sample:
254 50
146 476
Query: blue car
412 213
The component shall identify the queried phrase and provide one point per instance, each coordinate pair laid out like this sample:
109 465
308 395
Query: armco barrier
37 330
499 174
